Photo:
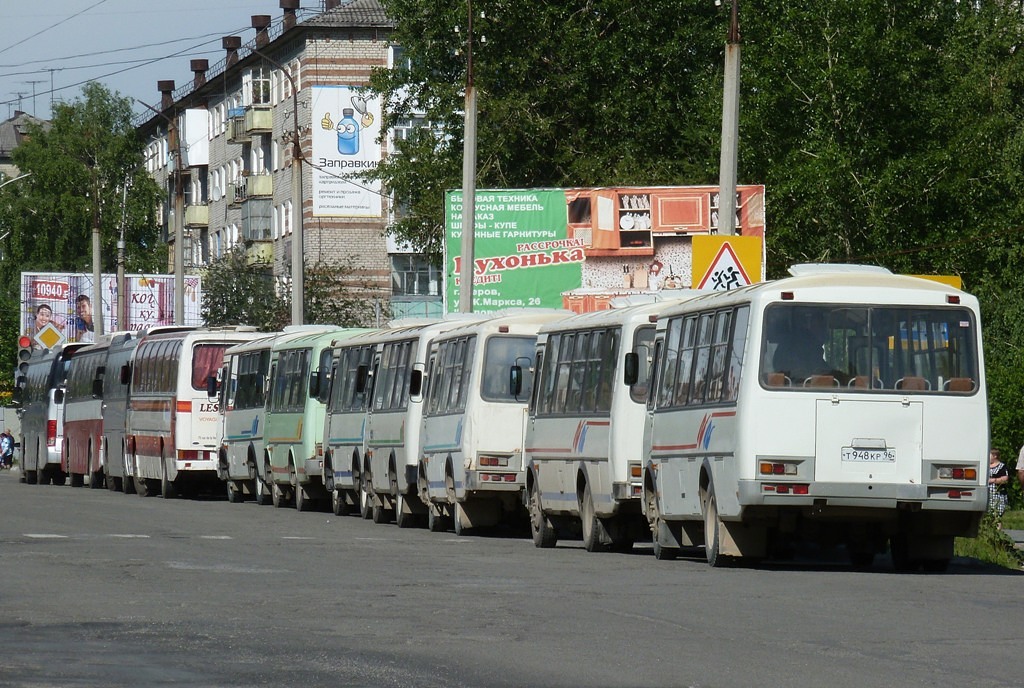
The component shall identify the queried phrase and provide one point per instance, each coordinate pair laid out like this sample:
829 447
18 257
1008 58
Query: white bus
40 397
300 366
243 395
474 420
115 410
172 426
842 405
344 438
393 420
584 448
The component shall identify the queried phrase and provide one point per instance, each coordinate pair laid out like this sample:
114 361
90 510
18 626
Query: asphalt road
103 589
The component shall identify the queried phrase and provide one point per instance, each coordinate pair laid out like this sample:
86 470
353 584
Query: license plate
887 455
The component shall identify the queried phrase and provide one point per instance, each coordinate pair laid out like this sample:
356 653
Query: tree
79 167
237 291
335 295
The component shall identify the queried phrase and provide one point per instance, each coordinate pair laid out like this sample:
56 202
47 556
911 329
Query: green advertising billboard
522 253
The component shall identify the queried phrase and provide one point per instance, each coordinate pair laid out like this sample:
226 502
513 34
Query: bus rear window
206 361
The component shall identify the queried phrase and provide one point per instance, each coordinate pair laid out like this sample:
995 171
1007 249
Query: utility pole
466 270
174 143
298 249
97 272
730 127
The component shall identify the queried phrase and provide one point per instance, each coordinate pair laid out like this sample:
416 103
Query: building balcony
259 119
236 131
235 194
259 252
197 215
259 185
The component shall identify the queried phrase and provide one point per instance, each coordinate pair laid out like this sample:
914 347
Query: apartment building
229 132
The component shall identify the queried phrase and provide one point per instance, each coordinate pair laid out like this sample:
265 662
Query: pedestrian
998 477
6 449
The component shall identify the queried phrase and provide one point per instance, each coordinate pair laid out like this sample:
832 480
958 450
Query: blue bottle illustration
348 133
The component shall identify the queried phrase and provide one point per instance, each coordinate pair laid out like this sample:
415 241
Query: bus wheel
77 480
339 505
260 490
234 492
167 488
437 522
58 477
543 531
593 529
365 499
712 531
404 517
30 477
661 552
277 495
302 500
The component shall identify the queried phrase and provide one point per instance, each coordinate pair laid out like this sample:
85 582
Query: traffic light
24 354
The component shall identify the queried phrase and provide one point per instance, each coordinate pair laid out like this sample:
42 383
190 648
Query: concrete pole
179 226
97 268
730 129
468 248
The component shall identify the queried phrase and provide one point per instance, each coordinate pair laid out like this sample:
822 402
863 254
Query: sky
127 45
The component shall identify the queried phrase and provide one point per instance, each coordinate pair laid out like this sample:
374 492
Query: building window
413 275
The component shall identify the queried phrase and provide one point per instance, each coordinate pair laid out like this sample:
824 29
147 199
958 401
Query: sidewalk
1017 536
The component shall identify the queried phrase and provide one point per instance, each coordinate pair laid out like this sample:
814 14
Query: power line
52 60
52 26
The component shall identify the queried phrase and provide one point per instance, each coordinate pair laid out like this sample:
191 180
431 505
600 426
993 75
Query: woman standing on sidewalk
998 477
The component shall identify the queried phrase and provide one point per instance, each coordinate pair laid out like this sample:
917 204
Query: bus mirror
314 384
126 374
415 384
515 380
324 394
58 396
631 368
97 388
211 386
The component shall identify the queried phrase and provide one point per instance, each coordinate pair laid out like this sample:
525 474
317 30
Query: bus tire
234 492
302 500
593 529
437 522
661 552
380 514
58 477
339 505
404 517
31 477
544 534
77 480
277 495
260 491
365 498
460 520
712 531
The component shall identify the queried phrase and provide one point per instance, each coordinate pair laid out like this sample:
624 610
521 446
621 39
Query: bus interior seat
861 382
913 383
821 381
959 384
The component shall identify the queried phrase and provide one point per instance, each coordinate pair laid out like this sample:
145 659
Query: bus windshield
206 361
870 348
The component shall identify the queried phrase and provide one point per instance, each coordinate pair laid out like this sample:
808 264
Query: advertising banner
346 126
523 255
58 307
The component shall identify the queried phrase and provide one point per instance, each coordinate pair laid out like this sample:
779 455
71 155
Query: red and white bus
173 427
83 414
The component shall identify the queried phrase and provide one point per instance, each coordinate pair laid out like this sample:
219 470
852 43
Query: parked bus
243 395
115 410
40 394
393 420
830 406
471 472
83 414
300 365
172 427
344 439
584 448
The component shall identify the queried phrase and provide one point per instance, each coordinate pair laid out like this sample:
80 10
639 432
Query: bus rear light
787 488
188 455
636 490
498 477
958 473
777 468
635 470
952 298
960 494
51 433
183 406
493 461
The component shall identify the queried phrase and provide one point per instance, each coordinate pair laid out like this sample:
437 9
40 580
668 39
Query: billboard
579 248
346 126
58 307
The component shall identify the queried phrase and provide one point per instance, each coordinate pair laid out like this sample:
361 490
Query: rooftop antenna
34 82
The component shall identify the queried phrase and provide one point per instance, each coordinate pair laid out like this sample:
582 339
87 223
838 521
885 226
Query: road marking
46 536
295 537
215 537
128 536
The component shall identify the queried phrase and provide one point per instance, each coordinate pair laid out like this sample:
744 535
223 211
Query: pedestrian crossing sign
721 262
